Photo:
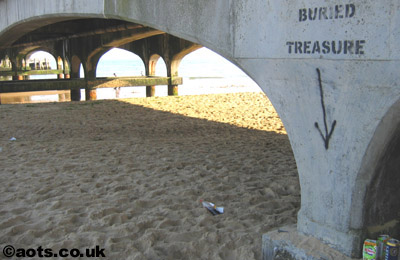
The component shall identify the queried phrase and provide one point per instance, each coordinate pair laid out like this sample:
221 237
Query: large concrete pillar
172 90
90 93
172 71
332 73
344 133
18 77
16 64
90 73
75 74
150 64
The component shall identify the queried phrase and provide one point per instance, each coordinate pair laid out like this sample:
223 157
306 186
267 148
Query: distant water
203 72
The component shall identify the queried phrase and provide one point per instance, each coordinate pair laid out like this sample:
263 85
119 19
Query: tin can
369 249
392 249
382 239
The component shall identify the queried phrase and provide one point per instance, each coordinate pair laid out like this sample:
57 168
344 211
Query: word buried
326 47
326 13
9 251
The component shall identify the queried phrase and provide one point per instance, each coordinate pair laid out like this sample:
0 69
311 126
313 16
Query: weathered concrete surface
287 244
31 72
342 121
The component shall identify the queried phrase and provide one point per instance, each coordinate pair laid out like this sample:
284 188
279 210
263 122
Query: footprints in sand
130 181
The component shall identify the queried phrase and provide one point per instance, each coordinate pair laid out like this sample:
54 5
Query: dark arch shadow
376 199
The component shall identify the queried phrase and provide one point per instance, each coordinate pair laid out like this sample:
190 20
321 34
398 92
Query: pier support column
18 77
346 146
90 93
75 95
90 74
150 63
150 91
75 74
172 90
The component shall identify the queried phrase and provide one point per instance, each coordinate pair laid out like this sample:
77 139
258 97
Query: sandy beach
127 175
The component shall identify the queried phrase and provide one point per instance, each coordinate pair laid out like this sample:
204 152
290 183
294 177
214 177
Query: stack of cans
384 248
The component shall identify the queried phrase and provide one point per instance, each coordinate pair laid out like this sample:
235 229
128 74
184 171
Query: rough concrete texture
341 119
287 243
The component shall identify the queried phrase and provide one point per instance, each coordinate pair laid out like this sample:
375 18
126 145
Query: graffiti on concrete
328 133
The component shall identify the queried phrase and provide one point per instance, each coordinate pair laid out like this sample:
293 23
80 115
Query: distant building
36 64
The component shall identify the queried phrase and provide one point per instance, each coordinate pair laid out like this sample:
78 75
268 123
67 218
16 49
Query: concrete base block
287 243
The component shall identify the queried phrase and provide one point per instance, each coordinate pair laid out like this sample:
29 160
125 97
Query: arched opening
5 65
252 171
153 64
382 164
40 61
160 68
205 71
120 62
157 67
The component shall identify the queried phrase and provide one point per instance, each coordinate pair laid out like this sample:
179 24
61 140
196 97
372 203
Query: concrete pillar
90 73
16 63
61 97
18 77
90 93
343 122
75 95
150 91
150 63
339 108
172 90
75 74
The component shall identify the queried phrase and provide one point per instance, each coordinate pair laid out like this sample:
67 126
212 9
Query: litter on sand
214 210
13 139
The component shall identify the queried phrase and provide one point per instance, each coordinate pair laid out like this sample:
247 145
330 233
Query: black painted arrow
328 134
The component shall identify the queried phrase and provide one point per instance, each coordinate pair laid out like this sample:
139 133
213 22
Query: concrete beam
6 73
133 81
71 84
40 85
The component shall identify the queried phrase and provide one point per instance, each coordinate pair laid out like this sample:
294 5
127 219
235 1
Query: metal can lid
393 242
384 237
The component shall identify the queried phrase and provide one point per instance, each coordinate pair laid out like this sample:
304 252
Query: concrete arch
60 63
376 198
51 57
29 52
258 36
176 60
75 66
151 70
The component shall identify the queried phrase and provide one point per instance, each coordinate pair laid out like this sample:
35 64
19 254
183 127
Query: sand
127 175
